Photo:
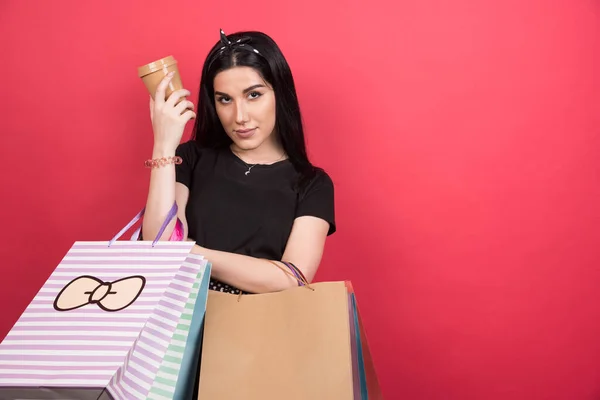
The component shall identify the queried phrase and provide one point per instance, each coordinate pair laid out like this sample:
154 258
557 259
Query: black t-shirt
250 214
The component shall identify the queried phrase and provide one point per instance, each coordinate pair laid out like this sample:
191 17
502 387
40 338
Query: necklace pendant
249 169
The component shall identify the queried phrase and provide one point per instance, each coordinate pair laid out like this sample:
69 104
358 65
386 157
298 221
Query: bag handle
296 272
172 213
297 276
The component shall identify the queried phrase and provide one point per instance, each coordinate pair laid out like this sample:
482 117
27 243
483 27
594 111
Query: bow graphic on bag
109 296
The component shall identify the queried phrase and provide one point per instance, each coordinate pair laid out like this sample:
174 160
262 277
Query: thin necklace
250 166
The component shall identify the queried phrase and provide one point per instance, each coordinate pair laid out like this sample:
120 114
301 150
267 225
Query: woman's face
245 104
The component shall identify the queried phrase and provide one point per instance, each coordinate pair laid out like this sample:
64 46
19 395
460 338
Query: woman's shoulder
192 151
317 198
321 177
319 180
188 150
194 158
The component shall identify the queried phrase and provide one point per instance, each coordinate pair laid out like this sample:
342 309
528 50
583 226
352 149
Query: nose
241 113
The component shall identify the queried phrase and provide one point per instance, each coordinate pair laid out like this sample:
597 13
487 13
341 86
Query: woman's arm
304 249
161 196
168 122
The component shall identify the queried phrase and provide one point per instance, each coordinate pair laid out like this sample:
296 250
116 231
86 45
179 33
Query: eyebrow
245 90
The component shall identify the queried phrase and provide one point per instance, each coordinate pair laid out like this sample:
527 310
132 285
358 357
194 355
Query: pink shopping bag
78 330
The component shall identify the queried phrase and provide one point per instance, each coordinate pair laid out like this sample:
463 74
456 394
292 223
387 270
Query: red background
462 138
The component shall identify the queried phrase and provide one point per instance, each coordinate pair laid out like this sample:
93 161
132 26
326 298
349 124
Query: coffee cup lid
156 65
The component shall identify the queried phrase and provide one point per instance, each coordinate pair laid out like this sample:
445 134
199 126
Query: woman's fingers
159 96
183 105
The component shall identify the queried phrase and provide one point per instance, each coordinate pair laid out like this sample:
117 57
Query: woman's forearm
254 275
161 196
169 117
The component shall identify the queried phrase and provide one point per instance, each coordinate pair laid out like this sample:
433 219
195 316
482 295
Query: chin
248 144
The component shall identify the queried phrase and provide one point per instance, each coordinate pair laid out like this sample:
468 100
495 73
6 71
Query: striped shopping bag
164 385
80 329
140 371
179 368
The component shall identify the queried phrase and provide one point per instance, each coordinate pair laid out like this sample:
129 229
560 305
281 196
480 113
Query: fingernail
171 73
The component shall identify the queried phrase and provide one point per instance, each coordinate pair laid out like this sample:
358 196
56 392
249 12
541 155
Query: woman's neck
266 153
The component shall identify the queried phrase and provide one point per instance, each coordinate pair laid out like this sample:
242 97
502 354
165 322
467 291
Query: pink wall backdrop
462 136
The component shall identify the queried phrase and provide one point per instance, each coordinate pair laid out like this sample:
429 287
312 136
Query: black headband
241 43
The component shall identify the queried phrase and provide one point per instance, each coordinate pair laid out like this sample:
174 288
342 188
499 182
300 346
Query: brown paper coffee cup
155 71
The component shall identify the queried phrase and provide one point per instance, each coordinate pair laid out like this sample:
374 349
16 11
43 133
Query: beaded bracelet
161 162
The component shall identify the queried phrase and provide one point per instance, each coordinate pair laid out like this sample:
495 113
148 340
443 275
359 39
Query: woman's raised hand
169 117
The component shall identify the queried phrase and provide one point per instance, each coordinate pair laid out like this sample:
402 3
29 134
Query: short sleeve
317 200
190 154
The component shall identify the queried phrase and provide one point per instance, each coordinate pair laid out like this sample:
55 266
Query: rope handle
296 274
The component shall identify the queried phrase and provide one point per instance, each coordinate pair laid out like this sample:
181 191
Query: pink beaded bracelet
161 162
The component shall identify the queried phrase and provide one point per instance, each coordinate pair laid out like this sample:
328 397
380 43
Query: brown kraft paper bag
293 344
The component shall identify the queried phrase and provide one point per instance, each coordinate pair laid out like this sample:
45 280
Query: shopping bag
77 331
368 383
140 372
170 368
191 357
177 372
300 343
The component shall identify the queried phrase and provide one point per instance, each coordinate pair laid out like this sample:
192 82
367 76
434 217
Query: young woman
246 191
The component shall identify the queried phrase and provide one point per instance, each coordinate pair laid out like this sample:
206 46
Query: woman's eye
255 95
224 99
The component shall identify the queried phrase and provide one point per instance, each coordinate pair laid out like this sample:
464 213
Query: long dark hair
272 66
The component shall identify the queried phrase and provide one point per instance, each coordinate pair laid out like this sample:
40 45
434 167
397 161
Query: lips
245 133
